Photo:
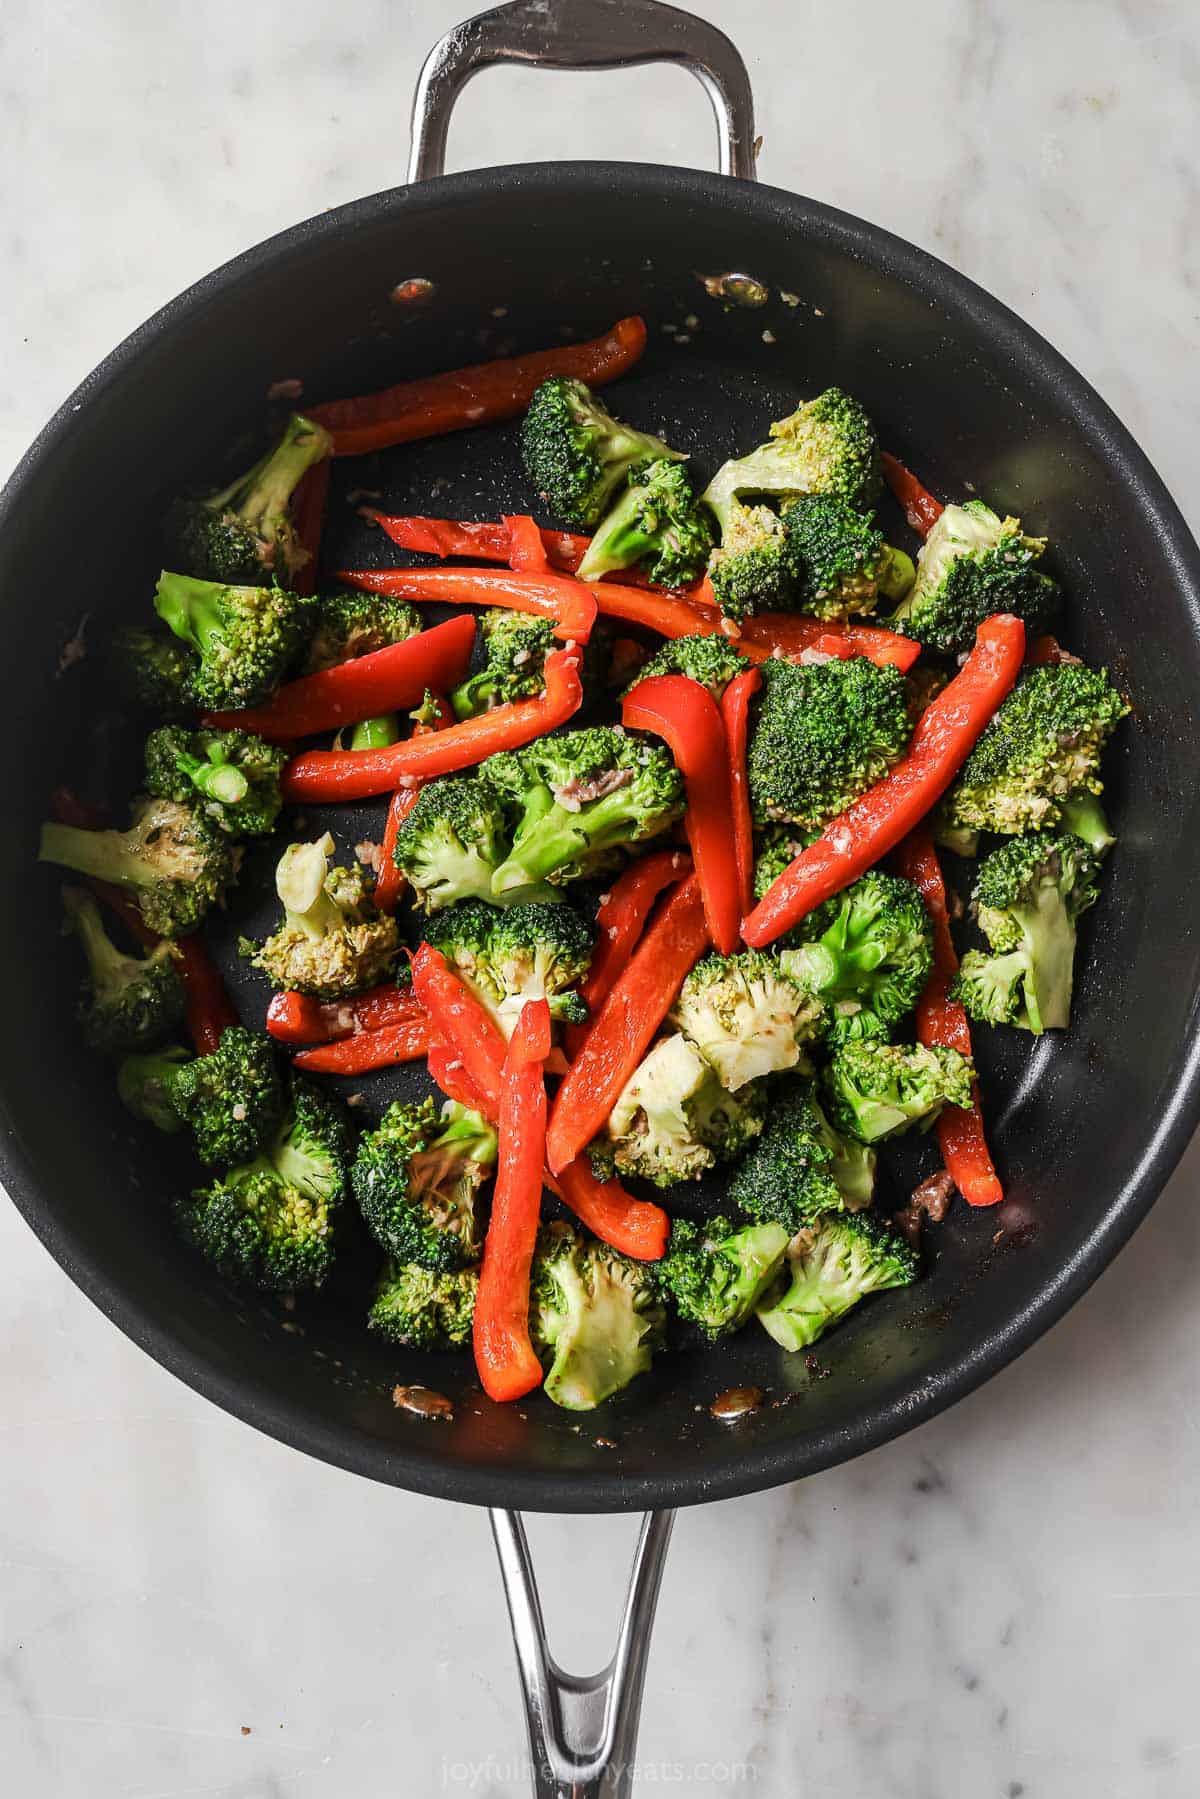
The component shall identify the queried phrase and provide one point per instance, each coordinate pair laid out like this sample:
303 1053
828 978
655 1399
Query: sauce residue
423 1402
736 290
736 1402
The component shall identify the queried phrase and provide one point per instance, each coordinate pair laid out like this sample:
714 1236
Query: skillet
1086 1128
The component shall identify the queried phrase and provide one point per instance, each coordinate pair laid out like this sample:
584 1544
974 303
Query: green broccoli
673 1120
153 671
825 732
270 1221
232 1098
972 564
715 1275
711 660
878 1090
745 1015
352 623
516 647
866 952
842 564
1028 895
578 797
656 523
231 776
754 567
422 1308
1040 749
243 535
577 455
128 1000
332 942
517 953
845 1258
171 860
777 848
246 638
828 445
452 842
801 1167
1083 816
417 1178
594 1317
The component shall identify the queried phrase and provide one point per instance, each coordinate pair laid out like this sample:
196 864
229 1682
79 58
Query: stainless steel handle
582 1728
583 34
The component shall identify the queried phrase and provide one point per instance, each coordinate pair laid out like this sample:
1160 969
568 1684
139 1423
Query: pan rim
741 1470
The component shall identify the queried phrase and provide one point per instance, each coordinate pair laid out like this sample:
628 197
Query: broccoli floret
452 842
594 1317
845 1258
231 776
825 733
516 647
778 847
711 660
1083 816
577 455
800 1166
244 534
352 623
972 564
332 941
171 860
867 953
754 568
876 1090
417 1178
746 1016
658 523
128 1001
673 1119
246 638
270 1221
842 564
1042 747
828 445
715 1275
232 1098
153 671
580 796
513 954
422 1308
1028 896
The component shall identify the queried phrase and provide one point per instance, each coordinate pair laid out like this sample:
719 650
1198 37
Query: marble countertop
1003 1604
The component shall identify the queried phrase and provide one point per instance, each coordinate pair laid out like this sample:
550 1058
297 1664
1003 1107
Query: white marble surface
1005 1603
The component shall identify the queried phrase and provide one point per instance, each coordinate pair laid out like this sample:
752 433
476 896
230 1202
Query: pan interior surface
1085 1127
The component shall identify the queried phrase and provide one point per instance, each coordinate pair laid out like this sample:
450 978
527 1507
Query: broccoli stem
1083 816
222 781
896 574
619 540
101 854
300 884
107 965
265 492
1049 928
191 607
557 838
376 733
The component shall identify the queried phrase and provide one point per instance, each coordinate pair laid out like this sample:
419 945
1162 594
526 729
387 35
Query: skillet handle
583 34
582 1728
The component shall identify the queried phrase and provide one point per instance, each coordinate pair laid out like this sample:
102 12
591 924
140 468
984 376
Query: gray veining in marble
1006 1604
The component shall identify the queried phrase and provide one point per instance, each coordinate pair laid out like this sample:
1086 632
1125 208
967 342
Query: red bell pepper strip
369 1050
1045 650
622 916
668 614
388 680
389 881
504 1356
478 395
360 774
875 824
489 541
457 1017
920 508
635 1227
569 605
686 716
735 712
447 1071
621 1032
526 551
791 634
941 1020
300 1020
308 520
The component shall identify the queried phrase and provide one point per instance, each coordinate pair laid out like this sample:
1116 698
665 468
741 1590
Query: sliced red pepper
569 605
944 736
301 1020
735 713
488 540
388 680
457 1017
665 613
480 394
791 634
1045 650
635 1227
685 715
446 1069
389 881
507 1363
308 519
620 921
526 551
920 508
942 1021
360 774
622 1030
368 1050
